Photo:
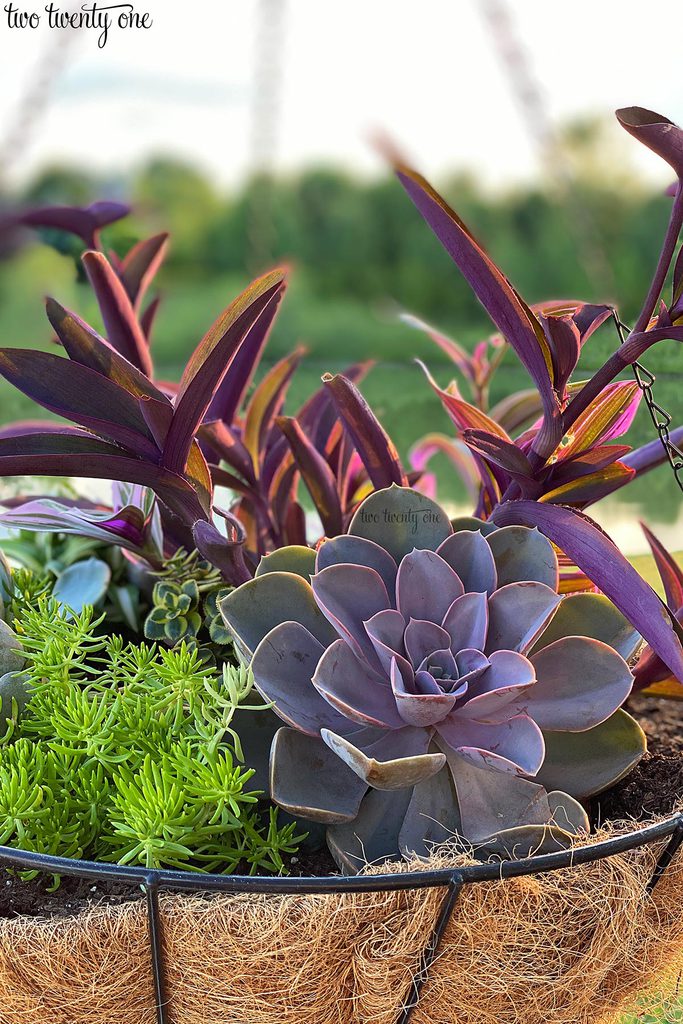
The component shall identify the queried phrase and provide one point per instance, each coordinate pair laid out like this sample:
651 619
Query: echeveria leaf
11 658
469 554
14 686
293 558
584 763
591 615
467 621
425 704
360 551
373 836
432 816
518 613
348 595
579 683
251 611
397 761
399 519
491 801
283 665
308 779
426 586
353 689
523 555
514 746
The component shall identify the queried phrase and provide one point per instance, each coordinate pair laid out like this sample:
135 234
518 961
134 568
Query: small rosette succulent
434 684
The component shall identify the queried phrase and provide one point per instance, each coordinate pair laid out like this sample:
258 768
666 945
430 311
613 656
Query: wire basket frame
451 880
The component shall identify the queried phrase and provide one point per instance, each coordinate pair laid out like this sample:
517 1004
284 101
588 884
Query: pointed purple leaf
124 332
510 314
209 364
370 440
597 556
79 394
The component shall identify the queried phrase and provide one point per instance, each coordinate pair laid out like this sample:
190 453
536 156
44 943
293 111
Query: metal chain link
661 419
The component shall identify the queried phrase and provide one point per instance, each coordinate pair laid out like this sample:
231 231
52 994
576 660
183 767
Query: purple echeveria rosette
426 675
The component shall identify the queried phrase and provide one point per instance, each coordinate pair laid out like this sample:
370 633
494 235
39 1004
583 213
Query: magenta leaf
80 394
209 364
140 266
124 331
509 312
369 438
598 557
656 132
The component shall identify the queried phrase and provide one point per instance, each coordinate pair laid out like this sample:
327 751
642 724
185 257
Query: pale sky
426 71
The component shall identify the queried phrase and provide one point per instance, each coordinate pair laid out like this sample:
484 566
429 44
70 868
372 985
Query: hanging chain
661 419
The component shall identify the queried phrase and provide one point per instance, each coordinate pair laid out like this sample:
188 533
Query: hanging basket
568 938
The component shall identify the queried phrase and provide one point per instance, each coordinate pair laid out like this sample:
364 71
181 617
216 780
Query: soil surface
652 789
655 785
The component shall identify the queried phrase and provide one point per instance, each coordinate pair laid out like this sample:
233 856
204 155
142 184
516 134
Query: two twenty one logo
100 17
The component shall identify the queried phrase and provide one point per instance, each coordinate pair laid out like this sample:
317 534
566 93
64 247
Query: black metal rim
191 881
451 880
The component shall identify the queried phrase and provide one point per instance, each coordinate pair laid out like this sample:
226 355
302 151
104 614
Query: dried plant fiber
573 946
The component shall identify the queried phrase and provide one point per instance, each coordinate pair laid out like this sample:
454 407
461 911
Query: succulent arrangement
437 679
427 675
125 752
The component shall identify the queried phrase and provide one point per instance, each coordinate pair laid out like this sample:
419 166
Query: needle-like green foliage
129 753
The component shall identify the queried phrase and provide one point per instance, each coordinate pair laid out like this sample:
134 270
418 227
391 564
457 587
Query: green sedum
127 752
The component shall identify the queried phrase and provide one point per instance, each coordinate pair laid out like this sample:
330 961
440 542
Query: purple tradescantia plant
548 474
434 684
129 429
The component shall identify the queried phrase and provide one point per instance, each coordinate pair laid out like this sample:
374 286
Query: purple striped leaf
124 332
598 557
509 312
209 363
79 394
316 474
230 396
369 438
140 266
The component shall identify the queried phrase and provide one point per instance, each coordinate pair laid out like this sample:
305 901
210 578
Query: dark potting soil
652 789
655 785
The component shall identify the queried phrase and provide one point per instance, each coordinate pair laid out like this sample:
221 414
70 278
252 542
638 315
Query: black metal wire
151 887
431 950
152 882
